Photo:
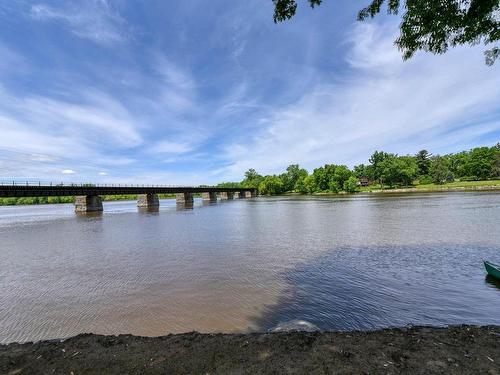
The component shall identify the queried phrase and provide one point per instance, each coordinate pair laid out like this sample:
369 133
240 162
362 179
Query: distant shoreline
434 190
413 190
426 350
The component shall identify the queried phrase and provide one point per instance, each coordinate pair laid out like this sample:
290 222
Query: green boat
492 269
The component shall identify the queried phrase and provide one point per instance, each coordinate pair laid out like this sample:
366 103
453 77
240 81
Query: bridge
88 197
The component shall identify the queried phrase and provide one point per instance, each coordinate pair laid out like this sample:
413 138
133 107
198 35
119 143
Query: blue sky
196 91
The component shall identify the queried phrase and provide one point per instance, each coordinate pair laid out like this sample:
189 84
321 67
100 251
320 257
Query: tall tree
292 175
310 184
390 170
480 162
429 25
375 160
252 179
408 169
341 175
457 162
322 176
439 169
360 171
496 162
423 162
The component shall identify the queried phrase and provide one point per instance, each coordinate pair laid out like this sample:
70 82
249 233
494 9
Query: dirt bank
418 350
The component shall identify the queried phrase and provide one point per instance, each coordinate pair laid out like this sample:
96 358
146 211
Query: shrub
351 184
425 180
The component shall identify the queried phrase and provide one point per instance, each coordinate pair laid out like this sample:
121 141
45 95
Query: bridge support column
241 195
226 195
148 200
88 203
209 197
185 199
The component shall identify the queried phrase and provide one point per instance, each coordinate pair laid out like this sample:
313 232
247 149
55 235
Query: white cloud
63 128
177 86
103 174
92 129
380 103
68 171
93 19
167 147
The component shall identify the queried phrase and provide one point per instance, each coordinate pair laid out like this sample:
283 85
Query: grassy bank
457 185
418 350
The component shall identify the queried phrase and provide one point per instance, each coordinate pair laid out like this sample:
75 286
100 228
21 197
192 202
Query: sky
189 92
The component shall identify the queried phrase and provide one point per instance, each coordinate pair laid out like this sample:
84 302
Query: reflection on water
184 206
338 263
494 283
89 214
149 210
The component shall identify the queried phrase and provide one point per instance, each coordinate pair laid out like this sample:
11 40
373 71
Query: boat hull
492 269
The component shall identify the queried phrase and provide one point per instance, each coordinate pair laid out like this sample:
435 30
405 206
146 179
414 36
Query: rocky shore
415 350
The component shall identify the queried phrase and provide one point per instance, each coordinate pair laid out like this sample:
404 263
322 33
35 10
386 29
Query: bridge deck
77 190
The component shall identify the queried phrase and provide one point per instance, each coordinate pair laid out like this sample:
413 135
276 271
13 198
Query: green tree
439 170
429 25
310 184
292 175
341 175
271 185
360 171
334 186
389 170
480 163
376 164
300 181
457 162
321 178
423 162
496 161
351 184
252 179
408 169
229 184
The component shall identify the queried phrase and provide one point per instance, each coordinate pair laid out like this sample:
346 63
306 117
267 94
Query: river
348 263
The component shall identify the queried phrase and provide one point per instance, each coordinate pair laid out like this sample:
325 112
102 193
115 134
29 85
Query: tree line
386 169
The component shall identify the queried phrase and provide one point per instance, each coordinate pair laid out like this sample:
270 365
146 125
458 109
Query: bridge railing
87 184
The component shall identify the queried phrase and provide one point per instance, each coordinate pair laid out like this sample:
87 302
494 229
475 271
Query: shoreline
425 350
453 189
435 190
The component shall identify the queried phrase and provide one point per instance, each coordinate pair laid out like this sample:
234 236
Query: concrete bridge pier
226 195
241 194
184 200
88 203
148 201
209 197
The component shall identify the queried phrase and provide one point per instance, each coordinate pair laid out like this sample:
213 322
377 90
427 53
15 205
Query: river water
359 262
